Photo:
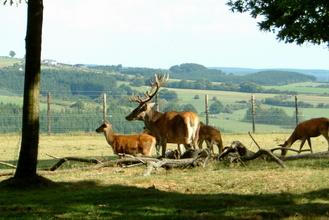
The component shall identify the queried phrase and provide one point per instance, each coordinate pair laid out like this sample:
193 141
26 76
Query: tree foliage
276 116
297 21
216 107
12 53
168 95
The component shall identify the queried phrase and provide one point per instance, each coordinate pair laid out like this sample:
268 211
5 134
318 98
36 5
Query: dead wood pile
200 157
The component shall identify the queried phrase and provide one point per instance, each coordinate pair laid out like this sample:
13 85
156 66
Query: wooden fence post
253 113
48 114
206 108
296 109
104 107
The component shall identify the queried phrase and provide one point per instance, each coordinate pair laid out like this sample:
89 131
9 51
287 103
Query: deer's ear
152 104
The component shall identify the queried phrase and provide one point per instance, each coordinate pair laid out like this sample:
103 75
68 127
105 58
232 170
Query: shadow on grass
91 200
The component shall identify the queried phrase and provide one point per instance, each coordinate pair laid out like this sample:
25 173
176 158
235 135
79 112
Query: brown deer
167 127
158 146
305 130
211 136
127 144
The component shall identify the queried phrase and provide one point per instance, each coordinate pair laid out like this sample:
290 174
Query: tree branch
8 164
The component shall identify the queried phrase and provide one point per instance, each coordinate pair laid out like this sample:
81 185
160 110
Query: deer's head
106 125
144 105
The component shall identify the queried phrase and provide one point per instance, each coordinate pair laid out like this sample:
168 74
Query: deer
305 130
167 127
178 152
211 136
127 144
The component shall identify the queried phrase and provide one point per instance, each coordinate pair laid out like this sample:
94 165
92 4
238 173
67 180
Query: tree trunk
27 161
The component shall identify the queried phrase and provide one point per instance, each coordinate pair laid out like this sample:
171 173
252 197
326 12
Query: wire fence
239 113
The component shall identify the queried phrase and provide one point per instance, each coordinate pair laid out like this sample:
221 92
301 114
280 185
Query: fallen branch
131 161
77 159
237 151
286 148
252 138
261 152
201 157
8 164
126 161
318 155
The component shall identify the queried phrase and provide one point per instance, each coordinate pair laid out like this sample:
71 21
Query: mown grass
261 190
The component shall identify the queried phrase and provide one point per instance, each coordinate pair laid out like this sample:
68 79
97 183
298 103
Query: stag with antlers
167 127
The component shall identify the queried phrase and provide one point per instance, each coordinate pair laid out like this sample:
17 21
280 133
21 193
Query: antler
157 83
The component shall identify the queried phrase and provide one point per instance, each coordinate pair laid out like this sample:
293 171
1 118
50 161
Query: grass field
232 122
306 87
227 122
261 190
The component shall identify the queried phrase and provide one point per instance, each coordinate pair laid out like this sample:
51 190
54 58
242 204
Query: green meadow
260 190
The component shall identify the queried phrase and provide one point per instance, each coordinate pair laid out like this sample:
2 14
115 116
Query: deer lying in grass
211 136
305 130
127 144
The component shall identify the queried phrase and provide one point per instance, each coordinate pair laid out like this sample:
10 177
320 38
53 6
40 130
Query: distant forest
81 84
192 71
93 80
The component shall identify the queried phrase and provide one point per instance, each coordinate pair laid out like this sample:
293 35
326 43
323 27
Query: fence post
104 107
253 113
296 109
48 114
206 108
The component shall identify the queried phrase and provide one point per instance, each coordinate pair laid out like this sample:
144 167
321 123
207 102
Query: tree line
94 80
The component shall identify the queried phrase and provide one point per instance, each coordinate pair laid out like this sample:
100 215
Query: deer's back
133 144
312 128
208 132
175 126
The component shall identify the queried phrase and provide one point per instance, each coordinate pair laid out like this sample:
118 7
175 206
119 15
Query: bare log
318 155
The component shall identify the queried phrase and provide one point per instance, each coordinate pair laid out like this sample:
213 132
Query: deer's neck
109 135
291 140
151 118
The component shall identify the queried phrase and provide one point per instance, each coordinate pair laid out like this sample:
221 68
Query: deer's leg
220 146
301 145
179 149
157 147
200 143
309 144
210 146
164 146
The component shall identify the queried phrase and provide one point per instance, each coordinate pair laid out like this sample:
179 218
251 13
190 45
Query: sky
155 34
